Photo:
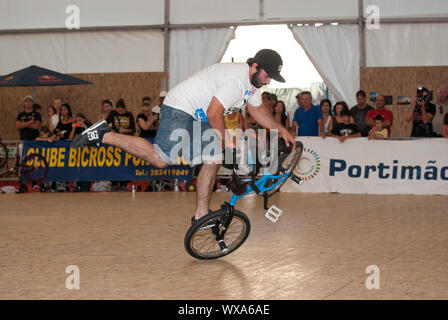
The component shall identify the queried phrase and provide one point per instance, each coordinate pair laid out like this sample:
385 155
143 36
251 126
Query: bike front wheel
34 167
201 239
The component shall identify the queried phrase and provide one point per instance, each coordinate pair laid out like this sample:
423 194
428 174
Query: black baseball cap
271 62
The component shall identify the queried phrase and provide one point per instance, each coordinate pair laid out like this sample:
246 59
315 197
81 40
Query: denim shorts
181 137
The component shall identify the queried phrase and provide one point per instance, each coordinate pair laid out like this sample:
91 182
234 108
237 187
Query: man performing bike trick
203 99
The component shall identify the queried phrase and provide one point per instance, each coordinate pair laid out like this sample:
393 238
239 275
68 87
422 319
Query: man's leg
206 181
136 146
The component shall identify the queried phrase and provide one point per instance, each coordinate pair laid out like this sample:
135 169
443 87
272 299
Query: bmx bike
33 167
221 232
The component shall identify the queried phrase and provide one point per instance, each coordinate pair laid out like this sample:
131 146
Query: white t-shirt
54 121
228 82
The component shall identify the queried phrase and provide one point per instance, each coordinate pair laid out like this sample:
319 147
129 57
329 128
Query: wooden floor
133 249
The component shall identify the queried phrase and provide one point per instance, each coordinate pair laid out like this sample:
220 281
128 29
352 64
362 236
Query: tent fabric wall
84 52
422 44
32 14
334 51
194 49
143 50
409 8
310 10
213 11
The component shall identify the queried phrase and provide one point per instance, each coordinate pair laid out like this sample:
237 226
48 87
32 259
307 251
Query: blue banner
103 163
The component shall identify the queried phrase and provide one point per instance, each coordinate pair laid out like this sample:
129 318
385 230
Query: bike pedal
273 213
296 179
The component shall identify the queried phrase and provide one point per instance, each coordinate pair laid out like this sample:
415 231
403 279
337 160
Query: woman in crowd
337 118
325 107
280 114
106 107
52 118
63 130
64 126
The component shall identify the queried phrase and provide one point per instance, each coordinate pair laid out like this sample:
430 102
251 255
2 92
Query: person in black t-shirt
359 113
28 122
121 120
345 130
65 123
147 120
422 115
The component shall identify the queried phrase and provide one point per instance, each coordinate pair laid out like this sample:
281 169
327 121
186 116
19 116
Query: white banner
374 167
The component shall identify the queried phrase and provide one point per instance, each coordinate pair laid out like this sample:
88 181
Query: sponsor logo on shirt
200 115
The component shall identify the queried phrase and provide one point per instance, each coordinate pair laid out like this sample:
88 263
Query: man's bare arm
215 116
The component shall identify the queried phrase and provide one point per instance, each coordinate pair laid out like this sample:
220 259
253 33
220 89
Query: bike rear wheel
34 167
200 241
287 162
3 154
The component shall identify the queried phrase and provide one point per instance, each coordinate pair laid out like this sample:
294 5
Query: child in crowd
345 130
46 135
378 132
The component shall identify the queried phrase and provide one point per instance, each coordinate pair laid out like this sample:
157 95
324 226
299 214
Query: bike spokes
209 239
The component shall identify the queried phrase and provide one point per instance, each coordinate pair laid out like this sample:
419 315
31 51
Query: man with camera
422 115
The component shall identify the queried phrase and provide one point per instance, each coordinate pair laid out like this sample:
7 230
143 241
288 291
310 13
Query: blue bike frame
260 183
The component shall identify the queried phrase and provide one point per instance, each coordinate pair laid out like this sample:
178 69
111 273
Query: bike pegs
273 213
296 179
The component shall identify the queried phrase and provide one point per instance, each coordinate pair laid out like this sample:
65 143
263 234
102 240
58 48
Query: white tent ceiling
47 14
128 36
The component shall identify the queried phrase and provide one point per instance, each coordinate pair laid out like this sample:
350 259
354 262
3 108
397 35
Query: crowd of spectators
303 118
58 123
428 119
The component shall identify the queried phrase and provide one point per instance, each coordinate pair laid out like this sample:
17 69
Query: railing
13 147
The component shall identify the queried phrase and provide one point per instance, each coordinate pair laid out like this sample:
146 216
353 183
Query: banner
371 166
103 163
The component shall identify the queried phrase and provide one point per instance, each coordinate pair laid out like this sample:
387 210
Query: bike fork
220 235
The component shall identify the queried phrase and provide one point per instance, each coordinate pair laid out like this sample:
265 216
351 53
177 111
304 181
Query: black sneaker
210 224
92 136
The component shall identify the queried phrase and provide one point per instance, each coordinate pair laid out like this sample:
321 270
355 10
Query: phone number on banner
163 172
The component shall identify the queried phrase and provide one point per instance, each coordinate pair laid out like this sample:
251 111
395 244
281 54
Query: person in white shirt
162 96
197 105
441 103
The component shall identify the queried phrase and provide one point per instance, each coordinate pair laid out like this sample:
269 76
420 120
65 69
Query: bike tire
34 167
201 233
287 162
3 155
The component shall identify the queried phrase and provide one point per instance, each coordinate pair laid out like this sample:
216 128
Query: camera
420 96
